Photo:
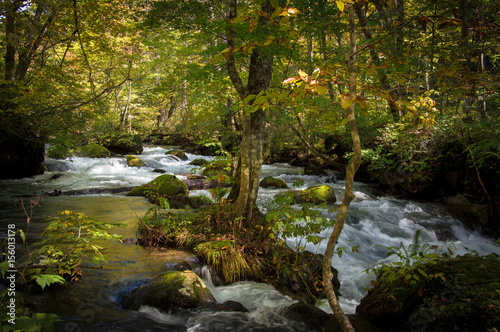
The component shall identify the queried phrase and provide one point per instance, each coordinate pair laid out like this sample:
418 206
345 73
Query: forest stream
376 221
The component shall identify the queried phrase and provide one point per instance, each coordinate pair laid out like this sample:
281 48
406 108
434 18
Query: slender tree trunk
348 193
252 151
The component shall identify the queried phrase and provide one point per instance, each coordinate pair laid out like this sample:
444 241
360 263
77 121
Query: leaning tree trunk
252 151
348 193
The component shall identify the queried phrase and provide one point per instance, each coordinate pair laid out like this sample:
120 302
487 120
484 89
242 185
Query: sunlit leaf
340 5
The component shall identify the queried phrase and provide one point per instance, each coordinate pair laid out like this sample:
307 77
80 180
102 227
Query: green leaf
23 235
217 58
239 19
48 279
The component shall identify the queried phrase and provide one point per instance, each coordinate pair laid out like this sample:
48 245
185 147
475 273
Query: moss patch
133 161
92 151
166 184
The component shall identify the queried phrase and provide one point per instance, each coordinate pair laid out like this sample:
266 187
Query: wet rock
459 294
171 290
56 166
158 170
133 161
56 176
269 181
229 306
314 170
166 184
456 200
178 153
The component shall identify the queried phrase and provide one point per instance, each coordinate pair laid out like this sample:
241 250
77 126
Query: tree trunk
253 140
348 193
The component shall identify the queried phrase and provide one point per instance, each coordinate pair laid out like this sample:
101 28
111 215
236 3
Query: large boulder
456 294
91 151
269 181
20 158
171 290
316 195
164 185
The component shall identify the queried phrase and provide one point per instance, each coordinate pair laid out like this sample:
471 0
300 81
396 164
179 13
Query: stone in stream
166 184
133 161
171 290
269 181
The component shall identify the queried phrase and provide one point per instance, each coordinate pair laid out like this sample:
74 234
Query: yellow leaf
269 40
302 74
340 5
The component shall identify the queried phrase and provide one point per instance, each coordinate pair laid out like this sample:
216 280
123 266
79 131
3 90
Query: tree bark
348 193
253 140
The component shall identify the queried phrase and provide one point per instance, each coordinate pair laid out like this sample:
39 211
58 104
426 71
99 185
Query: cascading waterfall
375 221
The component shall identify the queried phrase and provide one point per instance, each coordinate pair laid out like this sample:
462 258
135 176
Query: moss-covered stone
199 162
166 184
171 290
178 153
315 195
269 181
133 161
460 294
92 151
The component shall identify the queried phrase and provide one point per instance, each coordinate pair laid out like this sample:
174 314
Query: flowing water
375 222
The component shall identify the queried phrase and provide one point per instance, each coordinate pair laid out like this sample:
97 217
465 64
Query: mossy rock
178 153
92 151
133 161
199 162
269 181
165 185
171 290
315 195
460 294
